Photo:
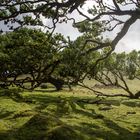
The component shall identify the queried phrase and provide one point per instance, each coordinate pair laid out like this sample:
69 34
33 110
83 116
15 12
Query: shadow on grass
113 132
63 106
5 114
46 90
43 126
47 127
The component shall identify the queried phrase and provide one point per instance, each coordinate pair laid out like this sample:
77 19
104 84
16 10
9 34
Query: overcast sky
130 42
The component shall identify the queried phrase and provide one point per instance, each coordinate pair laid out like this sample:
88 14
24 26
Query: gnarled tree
116 70
33 12
28 56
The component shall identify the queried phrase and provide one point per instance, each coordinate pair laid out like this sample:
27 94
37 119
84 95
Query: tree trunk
58 83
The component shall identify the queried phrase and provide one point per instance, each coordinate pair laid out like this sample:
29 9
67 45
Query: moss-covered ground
67 115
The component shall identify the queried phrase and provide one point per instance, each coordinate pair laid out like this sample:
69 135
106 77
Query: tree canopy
33 57
33 12
26 58
51 57
116 70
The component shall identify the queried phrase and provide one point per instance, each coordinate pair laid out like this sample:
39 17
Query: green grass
68 115
134 86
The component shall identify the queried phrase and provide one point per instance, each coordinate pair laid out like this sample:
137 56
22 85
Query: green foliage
117 69
30 55
128 64
133 64
75 61
33 57
88 27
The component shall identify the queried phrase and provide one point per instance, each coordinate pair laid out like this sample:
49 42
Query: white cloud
132 39
67 30
130 42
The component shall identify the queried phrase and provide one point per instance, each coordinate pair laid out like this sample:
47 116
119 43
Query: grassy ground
68 115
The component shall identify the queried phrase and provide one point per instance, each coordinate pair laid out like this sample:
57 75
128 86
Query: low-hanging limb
111 44
99 93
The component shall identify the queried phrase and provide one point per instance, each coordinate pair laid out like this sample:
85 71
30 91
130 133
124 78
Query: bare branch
116 5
